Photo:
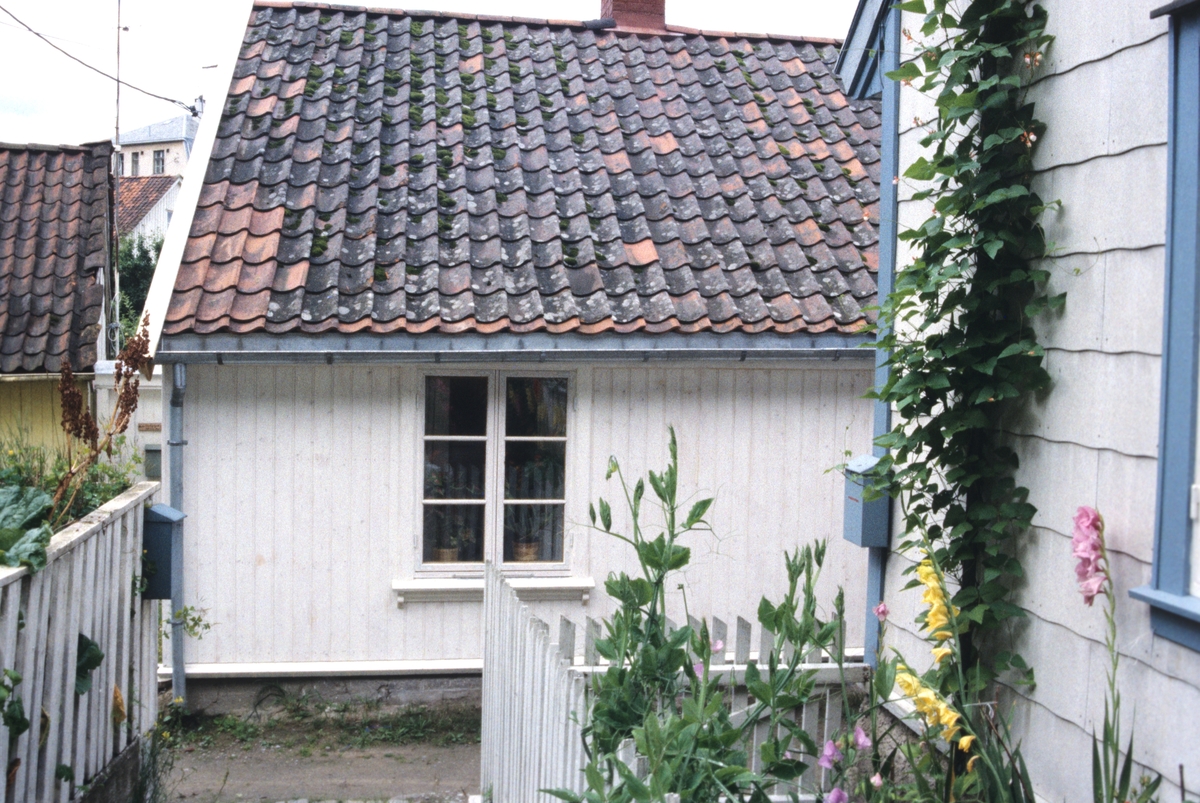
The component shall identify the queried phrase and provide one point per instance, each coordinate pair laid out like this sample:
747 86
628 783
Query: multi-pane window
494 469
535 450
456 412
160 162
133 163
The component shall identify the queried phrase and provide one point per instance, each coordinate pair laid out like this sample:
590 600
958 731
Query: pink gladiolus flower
836 795
1087 546
718 648
699 669
829 755
877 781
861 740
1092 588
881 610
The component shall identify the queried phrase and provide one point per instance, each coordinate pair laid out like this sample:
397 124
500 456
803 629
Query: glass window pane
453 533
536 407
534 469
454 469
456 405
533 532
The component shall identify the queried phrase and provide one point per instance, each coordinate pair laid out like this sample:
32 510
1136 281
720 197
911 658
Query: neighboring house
146 204
55 246
1119 91
160 149
431 271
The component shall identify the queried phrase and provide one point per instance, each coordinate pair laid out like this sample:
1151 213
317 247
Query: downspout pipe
888 240
175 444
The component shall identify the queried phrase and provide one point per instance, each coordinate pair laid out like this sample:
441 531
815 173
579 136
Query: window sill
470 589
1173 616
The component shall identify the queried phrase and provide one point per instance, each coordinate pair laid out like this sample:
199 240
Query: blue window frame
1174 603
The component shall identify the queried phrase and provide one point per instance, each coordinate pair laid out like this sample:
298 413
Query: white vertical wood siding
302 489
1102 90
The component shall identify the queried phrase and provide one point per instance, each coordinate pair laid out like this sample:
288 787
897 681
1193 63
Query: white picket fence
535 696
86 588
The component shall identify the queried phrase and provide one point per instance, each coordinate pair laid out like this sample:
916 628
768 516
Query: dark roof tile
655 190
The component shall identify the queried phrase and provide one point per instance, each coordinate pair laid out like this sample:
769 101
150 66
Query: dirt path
428 773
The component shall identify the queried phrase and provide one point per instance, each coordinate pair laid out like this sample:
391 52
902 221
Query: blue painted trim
888 238
860 56
1175 614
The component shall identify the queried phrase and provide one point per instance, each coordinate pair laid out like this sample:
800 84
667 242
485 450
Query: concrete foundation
118 782
211 696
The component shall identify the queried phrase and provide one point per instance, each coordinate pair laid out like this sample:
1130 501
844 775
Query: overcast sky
168 44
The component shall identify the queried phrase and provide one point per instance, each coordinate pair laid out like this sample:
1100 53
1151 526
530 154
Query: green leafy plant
659 691
24 532
33 466
88 659
958 333
136 259
193 620
12 710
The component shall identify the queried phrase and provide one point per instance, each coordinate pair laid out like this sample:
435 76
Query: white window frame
493 528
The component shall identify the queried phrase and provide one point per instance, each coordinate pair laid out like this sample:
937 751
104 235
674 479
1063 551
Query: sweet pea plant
659 691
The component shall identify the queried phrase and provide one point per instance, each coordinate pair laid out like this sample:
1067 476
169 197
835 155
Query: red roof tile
137 196
383 171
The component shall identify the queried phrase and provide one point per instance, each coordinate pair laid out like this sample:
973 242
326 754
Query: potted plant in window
535 527
450 541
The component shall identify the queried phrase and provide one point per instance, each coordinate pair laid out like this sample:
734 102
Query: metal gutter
43 377
175 443
402 347
888 239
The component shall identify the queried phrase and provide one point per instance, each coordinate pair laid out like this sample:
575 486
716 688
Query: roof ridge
39 146
555 23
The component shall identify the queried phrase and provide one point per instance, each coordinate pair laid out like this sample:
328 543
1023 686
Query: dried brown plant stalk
80 425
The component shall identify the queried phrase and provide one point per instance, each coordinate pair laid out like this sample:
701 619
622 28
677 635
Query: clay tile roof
55 235
137 196
381 171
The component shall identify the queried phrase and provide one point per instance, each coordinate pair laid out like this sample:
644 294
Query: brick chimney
640 15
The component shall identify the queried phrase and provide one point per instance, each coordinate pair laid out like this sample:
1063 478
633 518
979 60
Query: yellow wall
31 405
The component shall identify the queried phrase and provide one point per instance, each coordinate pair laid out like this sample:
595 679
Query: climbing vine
962 351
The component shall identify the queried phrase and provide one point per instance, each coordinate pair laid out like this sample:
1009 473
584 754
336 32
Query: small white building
159 149
146 205
431 271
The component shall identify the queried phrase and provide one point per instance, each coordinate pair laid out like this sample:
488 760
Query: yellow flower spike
964 744
971 762
942 653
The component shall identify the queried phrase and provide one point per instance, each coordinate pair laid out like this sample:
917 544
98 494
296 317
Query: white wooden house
1119 90
430 272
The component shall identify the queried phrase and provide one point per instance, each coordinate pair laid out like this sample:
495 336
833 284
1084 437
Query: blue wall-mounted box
159 529
864 523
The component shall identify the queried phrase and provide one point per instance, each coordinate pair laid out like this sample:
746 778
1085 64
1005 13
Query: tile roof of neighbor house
55 232
137 195
376 170
176 129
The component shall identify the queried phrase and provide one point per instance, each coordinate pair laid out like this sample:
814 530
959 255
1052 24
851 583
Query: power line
179 103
